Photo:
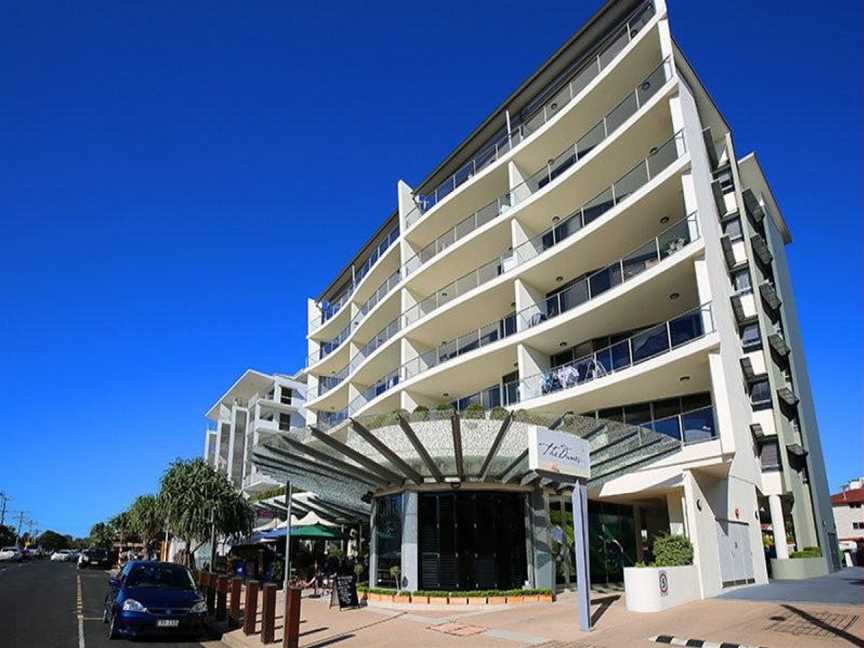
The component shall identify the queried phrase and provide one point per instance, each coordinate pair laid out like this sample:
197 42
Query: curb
696 643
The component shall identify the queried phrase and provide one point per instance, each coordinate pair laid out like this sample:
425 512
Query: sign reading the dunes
558 453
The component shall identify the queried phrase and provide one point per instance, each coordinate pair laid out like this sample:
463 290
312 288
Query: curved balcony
604 128
545 107
622 355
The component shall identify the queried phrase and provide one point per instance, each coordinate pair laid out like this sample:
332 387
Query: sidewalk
781 625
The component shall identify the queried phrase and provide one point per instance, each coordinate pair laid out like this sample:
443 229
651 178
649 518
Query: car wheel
112 627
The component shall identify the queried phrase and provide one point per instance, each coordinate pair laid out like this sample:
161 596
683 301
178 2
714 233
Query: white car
10 553
64 555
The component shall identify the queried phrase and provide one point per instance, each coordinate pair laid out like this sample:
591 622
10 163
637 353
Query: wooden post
234 610
211 592
222 598
250 608
268 613
292 618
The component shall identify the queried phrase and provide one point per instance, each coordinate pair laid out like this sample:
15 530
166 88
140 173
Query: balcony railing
476 339
595 135
461 230
539 113
326 383
329 309
689 427
624 354
380 293
329 346
670 241
494 396
382 385
327 420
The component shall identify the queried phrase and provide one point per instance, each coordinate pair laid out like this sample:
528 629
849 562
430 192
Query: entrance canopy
369 455
305 532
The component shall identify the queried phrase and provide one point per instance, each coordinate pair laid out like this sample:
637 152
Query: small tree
192 494
101 535
146 519
395 573
52 541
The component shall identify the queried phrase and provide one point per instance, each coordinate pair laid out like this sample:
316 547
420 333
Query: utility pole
20 522
3 499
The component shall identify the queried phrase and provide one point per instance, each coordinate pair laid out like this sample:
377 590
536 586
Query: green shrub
807 552
474 411
672 551
498 413
443 407
420 413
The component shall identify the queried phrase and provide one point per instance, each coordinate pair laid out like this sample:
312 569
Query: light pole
287 574
3 499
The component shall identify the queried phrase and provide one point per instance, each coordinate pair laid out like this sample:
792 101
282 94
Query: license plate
167 623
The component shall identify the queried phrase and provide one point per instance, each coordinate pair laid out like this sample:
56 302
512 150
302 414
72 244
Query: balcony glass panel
698 425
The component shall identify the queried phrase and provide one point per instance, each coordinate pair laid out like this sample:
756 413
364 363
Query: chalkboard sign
344 592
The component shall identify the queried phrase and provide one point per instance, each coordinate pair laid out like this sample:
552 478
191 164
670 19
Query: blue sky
177 178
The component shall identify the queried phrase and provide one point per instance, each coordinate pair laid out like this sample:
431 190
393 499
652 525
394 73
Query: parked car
153 598
64 555
98 558
11 553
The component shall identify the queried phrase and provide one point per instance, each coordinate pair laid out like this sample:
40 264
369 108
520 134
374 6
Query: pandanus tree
195 498
146 519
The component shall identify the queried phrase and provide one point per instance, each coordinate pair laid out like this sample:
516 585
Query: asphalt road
39 608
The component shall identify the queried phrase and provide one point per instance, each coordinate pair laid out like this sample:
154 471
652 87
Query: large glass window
760 392
750 336
741 280
388 537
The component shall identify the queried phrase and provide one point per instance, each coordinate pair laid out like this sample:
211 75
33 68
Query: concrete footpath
754 623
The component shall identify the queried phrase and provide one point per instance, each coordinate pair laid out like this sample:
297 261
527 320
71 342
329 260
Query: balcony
329 346
647 256
778 343
381 386
332 308
328 420
622 355
760 249
769 295
606 126
550 102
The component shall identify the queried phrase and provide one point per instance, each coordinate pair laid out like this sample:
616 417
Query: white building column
675 505
778 526
409 569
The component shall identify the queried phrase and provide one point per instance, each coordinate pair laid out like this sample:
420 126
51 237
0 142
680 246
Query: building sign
558 453
664 583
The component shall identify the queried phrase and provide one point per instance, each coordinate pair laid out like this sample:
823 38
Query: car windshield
160 575
10 549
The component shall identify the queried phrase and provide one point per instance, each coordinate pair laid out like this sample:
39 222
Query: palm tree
120 524
101 535
145 519
194 494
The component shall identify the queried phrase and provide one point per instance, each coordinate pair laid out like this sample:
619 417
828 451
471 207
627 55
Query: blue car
153 598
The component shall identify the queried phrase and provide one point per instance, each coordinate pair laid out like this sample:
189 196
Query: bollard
250 607
234 610
210 578
291 620
268 613
221 598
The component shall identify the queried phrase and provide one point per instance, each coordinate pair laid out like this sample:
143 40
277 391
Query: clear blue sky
177 178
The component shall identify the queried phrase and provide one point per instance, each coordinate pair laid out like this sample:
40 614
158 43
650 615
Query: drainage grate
457 629
813 624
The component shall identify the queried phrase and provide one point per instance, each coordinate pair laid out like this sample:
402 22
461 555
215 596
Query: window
855 505
725 180
760 392
769 455
750 337
741 280
858 525
732 228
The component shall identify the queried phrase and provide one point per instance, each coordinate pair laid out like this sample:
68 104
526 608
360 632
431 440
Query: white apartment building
256 403
596 246
848 507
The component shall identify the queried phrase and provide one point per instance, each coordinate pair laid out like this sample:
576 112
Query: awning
306 532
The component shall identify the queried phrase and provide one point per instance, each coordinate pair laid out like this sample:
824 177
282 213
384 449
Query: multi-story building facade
848 506
256 403
598 246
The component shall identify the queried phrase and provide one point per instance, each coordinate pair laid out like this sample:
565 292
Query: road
39 608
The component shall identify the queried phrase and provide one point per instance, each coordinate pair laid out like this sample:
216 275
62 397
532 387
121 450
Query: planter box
546 598
403 599
652 589
497 600
515 599
531 598
476 600
798 568
458 600
419 600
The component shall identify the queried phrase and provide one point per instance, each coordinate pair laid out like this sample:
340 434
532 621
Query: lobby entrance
471 540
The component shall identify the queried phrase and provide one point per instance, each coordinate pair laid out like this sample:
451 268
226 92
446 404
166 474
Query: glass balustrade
328 420
382 385
326 383
329 346
595 135
380 293
550 102
329 309
476 339
633 264
624 354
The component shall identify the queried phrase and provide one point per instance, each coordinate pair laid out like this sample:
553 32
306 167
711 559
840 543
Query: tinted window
160 575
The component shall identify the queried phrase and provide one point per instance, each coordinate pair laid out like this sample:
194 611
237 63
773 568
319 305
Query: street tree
7 535
121 525
102 535
146 519
192 494
52 541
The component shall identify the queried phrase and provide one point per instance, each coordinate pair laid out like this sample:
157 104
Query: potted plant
498 413
474 411
546 596
420 413
515 596
670 580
